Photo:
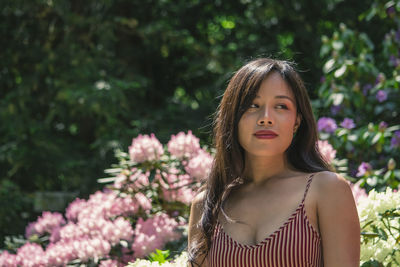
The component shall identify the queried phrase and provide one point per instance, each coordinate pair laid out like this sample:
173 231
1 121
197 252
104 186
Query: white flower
382 248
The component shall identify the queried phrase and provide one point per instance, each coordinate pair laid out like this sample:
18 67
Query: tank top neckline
300 208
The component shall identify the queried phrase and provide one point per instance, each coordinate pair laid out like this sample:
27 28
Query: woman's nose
265 118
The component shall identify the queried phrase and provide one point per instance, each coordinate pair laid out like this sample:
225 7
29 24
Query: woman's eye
253 106
282 106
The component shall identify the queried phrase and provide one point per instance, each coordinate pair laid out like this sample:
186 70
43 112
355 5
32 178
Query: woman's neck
261 169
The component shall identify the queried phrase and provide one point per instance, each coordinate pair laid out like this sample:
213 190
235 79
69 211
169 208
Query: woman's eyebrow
285 96
280 97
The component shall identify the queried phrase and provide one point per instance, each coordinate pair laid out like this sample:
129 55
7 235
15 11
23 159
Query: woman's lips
265 134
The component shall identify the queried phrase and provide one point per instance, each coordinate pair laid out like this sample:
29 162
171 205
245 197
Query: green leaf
382 234
152 175
339 72
376 138
160 256
329 65
371 263
387 175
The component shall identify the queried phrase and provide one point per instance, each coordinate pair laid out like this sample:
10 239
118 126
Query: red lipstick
265 134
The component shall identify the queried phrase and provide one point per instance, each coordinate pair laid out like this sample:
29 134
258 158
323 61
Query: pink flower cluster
134 182
145 148
178 188
102 224
183 145
45 224
327 151
199 166
154 233
93 228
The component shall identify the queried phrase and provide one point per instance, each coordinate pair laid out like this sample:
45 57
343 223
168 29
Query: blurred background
79 79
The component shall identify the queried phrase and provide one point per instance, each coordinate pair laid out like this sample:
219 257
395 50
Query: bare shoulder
330 183
196 211
199 198
337 220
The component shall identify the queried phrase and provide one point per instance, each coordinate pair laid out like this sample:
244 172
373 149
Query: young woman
271 199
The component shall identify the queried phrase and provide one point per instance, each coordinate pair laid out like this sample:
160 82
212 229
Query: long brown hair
228 166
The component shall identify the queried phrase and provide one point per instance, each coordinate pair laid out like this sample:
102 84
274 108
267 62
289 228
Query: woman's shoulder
199 197
329 178
330 185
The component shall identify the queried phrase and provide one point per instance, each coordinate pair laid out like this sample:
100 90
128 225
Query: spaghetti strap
294 243
307 187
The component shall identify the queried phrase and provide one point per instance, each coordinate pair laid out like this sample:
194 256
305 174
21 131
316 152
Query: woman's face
273 109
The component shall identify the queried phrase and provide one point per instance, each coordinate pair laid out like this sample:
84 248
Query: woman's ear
297 123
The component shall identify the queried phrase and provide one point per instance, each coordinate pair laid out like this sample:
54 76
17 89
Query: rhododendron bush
144 206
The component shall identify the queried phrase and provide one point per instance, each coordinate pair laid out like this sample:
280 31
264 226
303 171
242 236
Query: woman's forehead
275 86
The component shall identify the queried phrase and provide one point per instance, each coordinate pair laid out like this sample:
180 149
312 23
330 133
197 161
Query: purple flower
347 123
382 126
395 142
366 88
327 125
364 169
381 95
390 11
394 61
380 78
335 109
322 79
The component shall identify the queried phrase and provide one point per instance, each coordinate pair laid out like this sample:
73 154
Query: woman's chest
259 215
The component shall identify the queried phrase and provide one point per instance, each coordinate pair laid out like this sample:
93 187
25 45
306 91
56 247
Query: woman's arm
194 219
338 221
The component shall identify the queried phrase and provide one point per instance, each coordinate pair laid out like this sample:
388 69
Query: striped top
296 243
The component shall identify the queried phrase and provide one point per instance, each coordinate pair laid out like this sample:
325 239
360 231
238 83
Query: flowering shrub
144 207
359 99
379 216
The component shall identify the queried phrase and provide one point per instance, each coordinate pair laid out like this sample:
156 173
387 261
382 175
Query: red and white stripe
296 244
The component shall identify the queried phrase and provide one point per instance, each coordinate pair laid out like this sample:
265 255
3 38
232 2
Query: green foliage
160 256
14 210
361 82
79 78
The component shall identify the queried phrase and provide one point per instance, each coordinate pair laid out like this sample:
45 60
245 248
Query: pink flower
60 253
119 229
135 182
74 208
71 231
183 145
55 235
8 260
364 169
45 224
109 263
91 248
31 255
139 178
199 166
154 233
143 201
145 244
177 187
327 151
145 148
